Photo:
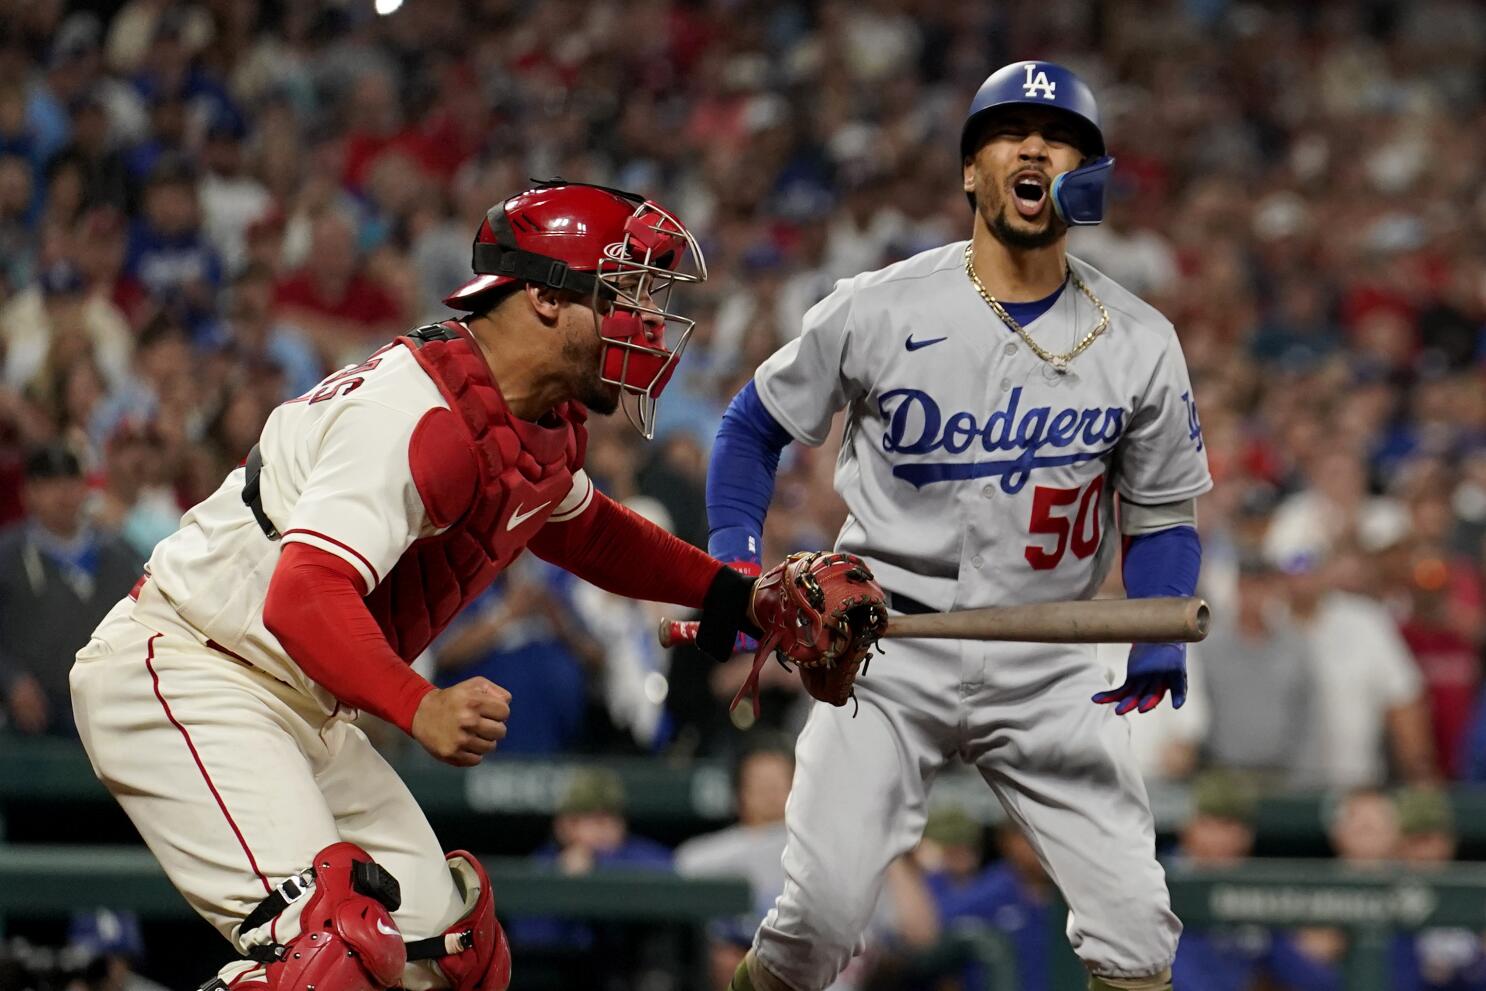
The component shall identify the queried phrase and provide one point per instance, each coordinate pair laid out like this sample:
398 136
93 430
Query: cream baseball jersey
337 476
974 472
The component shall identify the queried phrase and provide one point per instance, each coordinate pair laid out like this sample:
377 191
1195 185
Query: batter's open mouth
1029 193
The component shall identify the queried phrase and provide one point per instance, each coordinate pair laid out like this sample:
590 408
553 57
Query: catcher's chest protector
524 471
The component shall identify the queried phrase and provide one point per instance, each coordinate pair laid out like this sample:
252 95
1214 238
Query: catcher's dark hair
489 302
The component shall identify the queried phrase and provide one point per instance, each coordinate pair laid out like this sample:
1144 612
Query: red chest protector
488 475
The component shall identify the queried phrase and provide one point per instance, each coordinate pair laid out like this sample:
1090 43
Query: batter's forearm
1165 562
740 477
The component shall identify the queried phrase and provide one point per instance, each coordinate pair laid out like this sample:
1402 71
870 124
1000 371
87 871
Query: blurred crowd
205 206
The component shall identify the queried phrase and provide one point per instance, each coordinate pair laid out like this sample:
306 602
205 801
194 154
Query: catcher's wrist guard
724 613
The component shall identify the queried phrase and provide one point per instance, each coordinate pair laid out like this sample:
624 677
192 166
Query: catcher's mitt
823 611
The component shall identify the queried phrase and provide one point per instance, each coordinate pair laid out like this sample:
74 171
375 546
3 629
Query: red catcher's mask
623 252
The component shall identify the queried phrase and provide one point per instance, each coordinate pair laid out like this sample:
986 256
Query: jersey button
977 560
988 490
1011 349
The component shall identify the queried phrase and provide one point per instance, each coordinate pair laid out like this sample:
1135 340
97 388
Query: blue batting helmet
1078 196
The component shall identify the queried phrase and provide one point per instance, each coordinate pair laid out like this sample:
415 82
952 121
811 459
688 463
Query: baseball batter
1008 407
216 701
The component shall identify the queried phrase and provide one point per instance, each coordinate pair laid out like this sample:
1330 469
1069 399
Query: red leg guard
479 958
347 939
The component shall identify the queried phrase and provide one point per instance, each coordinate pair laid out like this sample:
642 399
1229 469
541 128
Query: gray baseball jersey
974 472
977 474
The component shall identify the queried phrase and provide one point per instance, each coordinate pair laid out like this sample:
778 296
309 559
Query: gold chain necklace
1058 361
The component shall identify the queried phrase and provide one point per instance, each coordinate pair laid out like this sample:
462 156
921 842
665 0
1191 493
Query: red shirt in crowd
361 300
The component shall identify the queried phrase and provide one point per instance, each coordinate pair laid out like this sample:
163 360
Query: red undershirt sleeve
622 552
315 608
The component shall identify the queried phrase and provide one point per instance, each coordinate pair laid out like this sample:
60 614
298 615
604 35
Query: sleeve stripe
356 557
567 510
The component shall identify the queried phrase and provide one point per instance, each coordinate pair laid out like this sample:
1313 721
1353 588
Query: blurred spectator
169 254
633 677
590 832
524 635
751 849
1013 895
1364 828
17 241
136 502
1333 509
1220 834
113 946
101 249
163 368
231 197
1260 679
95 150
1367 692
252 336
590 829
56 315
332 300
1434 959
58 575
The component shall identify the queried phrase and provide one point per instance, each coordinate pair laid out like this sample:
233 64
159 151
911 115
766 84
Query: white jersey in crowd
319 486
974 472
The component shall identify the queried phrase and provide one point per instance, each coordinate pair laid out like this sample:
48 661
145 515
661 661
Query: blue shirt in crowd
1235 958
530 660
1438 960
999 898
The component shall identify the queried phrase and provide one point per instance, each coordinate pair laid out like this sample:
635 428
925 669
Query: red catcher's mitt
823 611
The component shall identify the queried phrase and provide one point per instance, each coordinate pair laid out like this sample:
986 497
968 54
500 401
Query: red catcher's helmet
621 251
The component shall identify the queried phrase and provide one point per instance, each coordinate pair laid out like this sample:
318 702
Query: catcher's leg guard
347 940
472 954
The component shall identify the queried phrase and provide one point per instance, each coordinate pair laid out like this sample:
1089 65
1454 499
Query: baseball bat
1157 620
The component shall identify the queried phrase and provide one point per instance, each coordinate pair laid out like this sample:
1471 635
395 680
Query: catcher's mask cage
631 305
629 286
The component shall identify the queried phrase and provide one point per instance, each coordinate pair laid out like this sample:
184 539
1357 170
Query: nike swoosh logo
518 517
913 345
385 930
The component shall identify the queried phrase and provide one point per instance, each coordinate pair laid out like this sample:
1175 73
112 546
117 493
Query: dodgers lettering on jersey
974 473
915 425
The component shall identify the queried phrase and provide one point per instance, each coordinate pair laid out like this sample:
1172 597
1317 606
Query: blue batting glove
1152 670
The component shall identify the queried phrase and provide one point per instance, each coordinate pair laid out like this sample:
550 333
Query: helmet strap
528 266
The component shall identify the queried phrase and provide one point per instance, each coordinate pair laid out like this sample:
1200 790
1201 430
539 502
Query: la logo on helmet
1039 84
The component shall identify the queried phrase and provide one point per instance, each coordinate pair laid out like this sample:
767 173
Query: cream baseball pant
235 780
1060 765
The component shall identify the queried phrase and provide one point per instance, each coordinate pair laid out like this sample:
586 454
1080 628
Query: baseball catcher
216 701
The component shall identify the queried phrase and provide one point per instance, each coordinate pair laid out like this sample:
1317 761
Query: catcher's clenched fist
823 611
462 723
